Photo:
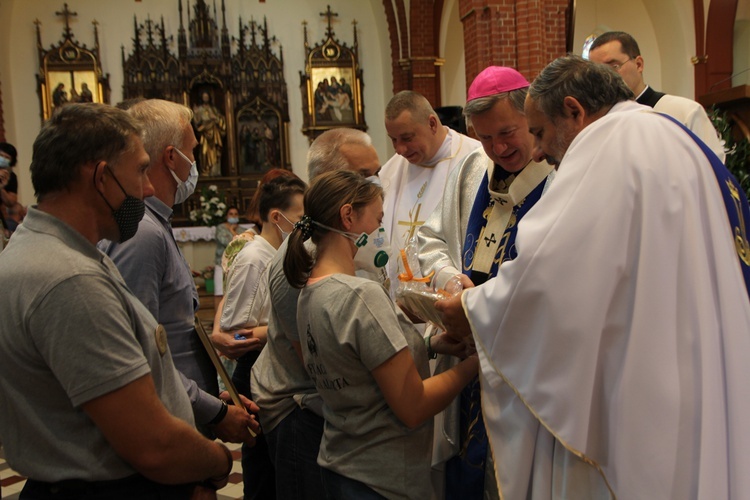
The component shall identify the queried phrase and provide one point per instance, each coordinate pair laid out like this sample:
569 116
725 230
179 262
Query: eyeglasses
616 66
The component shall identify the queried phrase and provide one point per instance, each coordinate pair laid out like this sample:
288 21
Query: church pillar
714 42
414 46
522 34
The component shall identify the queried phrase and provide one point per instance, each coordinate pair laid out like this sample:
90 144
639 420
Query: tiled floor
12 483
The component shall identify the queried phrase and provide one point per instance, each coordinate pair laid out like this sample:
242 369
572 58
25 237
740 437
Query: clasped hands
232 345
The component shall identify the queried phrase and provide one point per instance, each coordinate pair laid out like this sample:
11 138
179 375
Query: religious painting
72 86
331 84
69 72
333 97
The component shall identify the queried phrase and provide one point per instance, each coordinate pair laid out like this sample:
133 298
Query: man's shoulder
466 143
677 106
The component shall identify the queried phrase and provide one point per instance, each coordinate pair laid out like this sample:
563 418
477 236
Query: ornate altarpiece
331 84
243 94
69 71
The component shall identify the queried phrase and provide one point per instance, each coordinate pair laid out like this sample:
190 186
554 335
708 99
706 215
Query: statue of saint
211 126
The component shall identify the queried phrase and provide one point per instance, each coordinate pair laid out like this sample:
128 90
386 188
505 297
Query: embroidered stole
735 202
489 241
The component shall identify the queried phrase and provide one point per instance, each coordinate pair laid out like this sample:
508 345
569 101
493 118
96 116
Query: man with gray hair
342 149
414 178
622 324
158 274
470 234
90 402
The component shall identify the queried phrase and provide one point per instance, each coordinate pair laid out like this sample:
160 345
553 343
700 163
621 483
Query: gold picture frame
331 84
68 71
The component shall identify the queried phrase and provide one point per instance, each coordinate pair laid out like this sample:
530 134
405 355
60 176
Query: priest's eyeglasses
616 66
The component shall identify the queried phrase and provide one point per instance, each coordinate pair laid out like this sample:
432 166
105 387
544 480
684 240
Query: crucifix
67 14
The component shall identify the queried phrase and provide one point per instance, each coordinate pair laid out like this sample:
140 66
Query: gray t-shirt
348 327
72 332
279 382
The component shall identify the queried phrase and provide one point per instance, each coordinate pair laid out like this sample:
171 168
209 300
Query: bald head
342 149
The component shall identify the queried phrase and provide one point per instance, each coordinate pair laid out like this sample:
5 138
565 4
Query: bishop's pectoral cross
413 223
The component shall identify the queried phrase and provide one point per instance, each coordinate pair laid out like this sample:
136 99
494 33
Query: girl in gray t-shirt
367 360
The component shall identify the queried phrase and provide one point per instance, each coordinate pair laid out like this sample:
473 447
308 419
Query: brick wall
523 34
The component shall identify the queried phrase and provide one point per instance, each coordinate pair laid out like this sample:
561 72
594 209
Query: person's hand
442 343
452 313
233 428
4 177
230 344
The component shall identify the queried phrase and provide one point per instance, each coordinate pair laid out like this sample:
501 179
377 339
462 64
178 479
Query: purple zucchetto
495 80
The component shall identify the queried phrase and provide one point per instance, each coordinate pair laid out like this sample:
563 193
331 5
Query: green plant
738 152
213 209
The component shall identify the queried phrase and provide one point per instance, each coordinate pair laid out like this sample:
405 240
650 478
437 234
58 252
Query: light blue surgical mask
233 220
187 187
4 162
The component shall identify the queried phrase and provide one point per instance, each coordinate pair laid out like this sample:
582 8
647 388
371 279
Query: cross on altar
412 224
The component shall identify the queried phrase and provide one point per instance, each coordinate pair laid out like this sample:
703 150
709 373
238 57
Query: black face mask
130 213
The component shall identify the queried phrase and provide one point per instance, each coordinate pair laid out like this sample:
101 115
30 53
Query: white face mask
374 179
284 234
372 250
187 187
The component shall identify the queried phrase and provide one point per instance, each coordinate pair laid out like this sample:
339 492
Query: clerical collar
444 153
642 92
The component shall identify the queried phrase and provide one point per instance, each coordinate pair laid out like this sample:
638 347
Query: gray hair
324 154
594 86
164 124
483 104
75 135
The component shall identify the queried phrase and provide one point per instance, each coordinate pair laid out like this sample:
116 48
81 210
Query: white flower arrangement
213 208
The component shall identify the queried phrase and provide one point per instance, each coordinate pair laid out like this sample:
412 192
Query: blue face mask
233 220
187 187
4 162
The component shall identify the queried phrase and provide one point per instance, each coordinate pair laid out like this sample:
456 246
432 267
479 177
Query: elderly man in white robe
472 232
622 325
414 178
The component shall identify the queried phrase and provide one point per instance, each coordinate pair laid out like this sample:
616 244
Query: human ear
346 213
573 109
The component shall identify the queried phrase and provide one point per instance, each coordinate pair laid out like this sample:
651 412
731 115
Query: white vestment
693 116
412 192
622 326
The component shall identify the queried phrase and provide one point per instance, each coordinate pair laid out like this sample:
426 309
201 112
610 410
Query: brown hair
323 201
253 210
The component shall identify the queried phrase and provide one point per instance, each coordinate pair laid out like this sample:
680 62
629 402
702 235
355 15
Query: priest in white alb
622 325
414 178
